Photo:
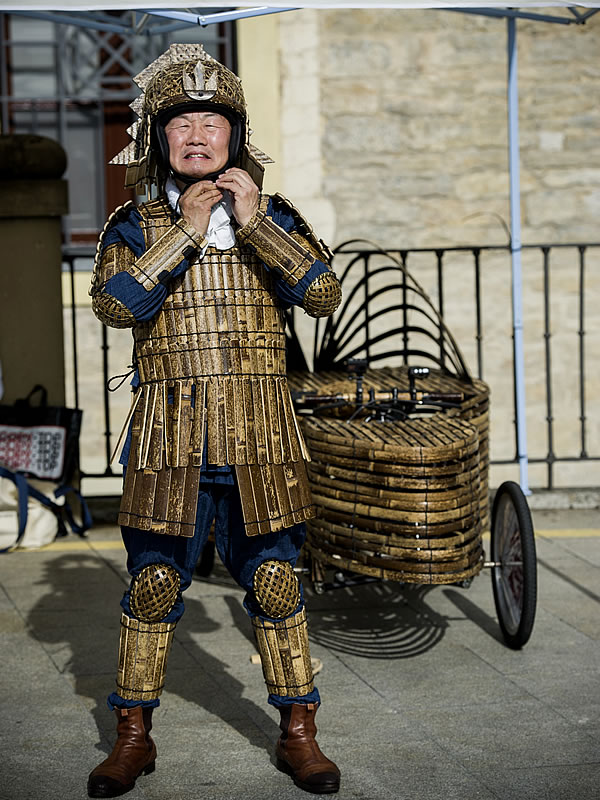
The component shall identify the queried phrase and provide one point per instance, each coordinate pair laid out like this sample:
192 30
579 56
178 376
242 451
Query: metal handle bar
393 396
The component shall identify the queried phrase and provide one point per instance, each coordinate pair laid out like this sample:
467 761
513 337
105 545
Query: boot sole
283 766
118 791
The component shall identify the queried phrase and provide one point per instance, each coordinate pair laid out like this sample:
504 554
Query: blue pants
241 554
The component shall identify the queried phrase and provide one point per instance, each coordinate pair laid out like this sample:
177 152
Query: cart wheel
514 581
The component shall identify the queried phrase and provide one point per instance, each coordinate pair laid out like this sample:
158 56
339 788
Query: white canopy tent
162 16
77 5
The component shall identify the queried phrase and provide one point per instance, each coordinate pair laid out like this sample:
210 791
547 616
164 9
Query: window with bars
73 84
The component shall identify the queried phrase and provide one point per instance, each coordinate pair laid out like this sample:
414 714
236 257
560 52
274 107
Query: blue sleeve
292 295
143 304
126 229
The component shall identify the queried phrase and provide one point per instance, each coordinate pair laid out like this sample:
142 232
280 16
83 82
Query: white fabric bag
42 523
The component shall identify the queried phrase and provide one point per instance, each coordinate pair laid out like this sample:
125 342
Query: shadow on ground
376 620
91 637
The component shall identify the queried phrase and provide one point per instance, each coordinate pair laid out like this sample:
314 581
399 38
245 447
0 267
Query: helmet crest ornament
197 88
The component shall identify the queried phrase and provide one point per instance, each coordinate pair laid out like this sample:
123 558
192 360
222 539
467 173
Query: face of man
198 143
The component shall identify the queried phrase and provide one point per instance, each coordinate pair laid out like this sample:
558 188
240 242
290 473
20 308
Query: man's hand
196 204
243 191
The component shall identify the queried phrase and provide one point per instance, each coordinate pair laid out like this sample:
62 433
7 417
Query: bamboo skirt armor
213 385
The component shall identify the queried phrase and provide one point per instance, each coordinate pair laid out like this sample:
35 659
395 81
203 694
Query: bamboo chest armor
212 367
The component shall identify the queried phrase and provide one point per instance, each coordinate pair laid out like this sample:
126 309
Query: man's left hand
244 193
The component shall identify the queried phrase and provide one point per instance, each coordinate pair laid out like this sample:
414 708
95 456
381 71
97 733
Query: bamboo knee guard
145 642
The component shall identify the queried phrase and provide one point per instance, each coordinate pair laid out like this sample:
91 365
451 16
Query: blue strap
56 509
25 490
62 491
86 517
41 497
22 492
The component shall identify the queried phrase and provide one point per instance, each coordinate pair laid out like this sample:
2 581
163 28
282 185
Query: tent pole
515 227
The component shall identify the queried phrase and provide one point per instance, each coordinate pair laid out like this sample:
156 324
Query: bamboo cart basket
400 454
402 500
471 405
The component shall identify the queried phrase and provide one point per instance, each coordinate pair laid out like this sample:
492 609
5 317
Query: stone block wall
414 127
412 151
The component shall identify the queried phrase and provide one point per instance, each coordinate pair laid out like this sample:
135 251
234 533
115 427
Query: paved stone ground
421 697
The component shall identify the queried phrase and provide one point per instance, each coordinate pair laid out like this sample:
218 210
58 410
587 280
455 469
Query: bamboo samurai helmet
185 78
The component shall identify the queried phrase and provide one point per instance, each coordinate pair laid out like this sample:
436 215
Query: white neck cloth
220 233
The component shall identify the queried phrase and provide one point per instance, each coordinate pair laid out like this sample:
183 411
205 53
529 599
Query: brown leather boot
133 754
299 754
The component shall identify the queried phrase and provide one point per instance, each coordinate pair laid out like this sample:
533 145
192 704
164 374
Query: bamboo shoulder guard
107 262
120 214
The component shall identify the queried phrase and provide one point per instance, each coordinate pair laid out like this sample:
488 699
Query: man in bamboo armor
203 274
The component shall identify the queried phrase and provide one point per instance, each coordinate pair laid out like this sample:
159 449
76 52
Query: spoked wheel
514 570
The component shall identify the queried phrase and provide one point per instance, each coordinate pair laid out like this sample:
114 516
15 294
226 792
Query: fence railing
71 256
561 286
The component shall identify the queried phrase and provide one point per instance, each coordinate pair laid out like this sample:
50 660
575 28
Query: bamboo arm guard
294 259
122 307
156 264
279 250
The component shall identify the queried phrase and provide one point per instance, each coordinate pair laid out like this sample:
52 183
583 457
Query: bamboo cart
399 454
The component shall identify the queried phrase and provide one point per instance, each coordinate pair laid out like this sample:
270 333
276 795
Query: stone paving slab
421 696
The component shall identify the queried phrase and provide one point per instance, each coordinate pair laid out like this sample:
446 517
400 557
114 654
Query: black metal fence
74 257
554 274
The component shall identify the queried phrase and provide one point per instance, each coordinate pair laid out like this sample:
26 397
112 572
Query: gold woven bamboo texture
396 500
285 654
474 409
143 652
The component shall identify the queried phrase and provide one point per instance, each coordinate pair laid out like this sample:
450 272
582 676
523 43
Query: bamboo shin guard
143 651
285 655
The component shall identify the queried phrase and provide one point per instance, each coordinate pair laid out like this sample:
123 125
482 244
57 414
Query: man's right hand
196 204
